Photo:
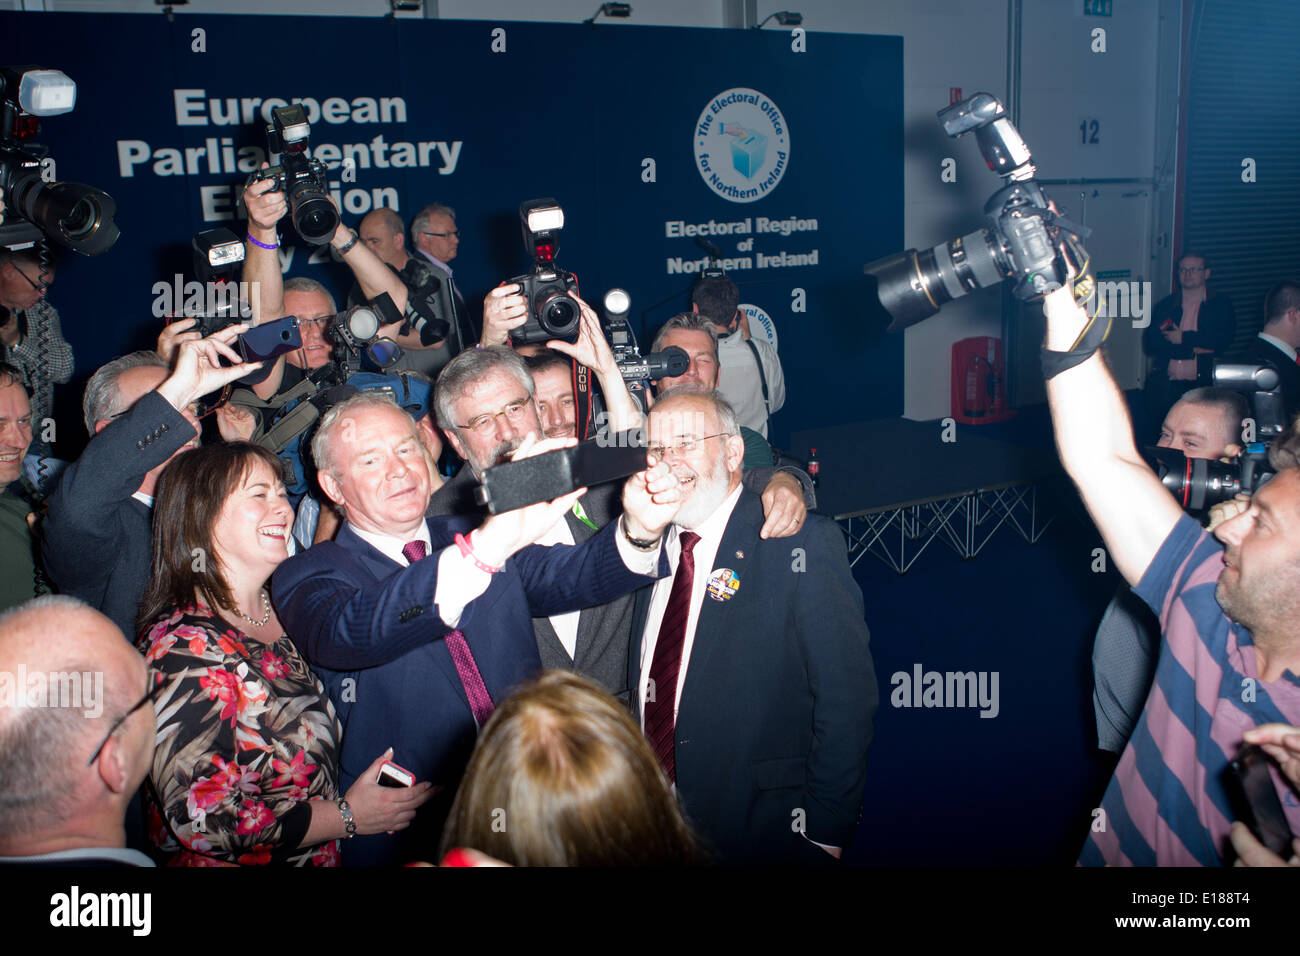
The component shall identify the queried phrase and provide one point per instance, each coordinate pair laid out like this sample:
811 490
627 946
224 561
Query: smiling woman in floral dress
245 767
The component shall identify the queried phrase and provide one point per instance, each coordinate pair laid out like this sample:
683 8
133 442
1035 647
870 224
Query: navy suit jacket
97 541
370 630
778 699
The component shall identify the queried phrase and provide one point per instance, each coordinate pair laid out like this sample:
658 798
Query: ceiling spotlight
404 6
785 18
620 10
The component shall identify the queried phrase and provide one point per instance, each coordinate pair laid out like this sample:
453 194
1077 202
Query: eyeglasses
1186 269
513 412
686 445
150 696
38 286
443 235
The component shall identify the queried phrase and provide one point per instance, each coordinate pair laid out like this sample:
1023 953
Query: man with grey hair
417 625
76 736
436 238
766 741
96 541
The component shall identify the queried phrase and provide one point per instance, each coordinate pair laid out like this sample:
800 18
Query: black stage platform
895 486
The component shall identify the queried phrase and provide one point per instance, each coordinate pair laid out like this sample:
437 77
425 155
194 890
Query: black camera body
1026 240
552 312
71 214
302 180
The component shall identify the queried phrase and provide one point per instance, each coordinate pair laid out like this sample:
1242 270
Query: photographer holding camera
31 334
1227 612
1205 423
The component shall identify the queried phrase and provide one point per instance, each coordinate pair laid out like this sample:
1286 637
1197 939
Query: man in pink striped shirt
1229 650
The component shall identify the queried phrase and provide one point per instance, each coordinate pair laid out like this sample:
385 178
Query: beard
710 491
1268 597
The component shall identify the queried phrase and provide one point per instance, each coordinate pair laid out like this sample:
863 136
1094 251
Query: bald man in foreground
76 735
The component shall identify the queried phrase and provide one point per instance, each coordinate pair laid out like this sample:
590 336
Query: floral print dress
246 737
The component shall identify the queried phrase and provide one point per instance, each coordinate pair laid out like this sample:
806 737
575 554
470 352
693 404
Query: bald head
384 232
66 676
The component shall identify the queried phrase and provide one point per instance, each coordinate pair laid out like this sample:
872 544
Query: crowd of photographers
351 655
324 625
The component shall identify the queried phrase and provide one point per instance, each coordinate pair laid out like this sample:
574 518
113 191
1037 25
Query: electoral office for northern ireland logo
742 145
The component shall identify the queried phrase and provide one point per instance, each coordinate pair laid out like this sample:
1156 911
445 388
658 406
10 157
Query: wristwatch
347 246
637 543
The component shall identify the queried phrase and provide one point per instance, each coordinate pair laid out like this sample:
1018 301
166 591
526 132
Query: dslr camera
302 180
1200 483
1026 240
552 313
71 214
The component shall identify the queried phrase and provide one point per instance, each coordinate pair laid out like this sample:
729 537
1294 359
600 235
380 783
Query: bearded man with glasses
766 741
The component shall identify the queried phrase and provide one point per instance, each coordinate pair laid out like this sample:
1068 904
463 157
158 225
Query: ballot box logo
742 145
761 325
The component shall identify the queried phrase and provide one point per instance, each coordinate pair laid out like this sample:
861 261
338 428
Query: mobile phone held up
391 775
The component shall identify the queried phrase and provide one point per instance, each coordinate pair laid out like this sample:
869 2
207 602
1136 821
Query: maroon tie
660 722
480 701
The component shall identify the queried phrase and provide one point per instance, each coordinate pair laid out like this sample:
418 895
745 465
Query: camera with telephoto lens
71 214
302 180
552 312
1026 240
1200 483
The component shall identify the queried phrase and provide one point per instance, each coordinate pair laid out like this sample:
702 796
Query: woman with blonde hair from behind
562 776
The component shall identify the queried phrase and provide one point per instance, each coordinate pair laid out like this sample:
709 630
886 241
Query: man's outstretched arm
1094 436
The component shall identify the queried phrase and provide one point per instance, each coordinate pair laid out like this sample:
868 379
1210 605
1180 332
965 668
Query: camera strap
1089 340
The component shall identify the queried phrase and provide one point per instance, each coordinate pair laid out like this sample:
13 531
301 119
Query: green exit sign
1097 8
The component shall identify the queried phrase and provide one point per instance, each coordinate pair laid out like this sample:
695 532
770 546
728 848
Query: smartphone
517 484
391 775
267 342
1254 799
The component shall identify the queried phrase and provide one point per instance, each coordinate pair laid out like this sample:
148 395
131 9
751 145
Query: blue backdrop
482 116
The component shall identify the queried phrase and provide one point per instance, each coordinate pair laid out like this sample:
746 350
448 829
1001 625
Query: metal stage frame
965 522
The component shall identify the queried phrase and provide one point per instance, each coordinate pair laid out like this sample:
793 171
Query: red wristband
462 542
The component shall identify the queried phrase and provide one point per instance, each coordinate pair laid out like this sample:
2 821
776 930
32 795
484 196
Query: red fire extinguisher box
979 382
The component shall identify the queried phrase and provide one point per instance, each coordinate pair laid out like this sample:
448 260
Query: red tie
660 721
480 701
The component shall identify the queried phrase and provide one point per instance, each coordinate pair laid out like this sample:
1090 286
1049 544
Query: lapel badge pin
723 584
740 555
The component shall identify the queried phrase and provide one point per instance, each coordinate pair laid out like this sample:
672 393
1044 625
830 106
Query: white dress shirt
705 553
566 625
740 385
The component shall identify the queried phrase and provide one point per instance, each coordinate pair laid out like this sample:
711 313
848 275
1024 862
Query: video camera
71 214
302 180
552 313
1200 483
1026 241
355 336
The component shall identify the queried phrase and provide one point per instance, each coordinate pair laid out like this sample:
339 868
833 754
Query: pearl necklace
266 606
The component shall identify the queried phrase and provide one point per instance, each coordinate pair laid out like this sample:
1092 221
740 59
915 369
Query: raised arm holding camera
1227 612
